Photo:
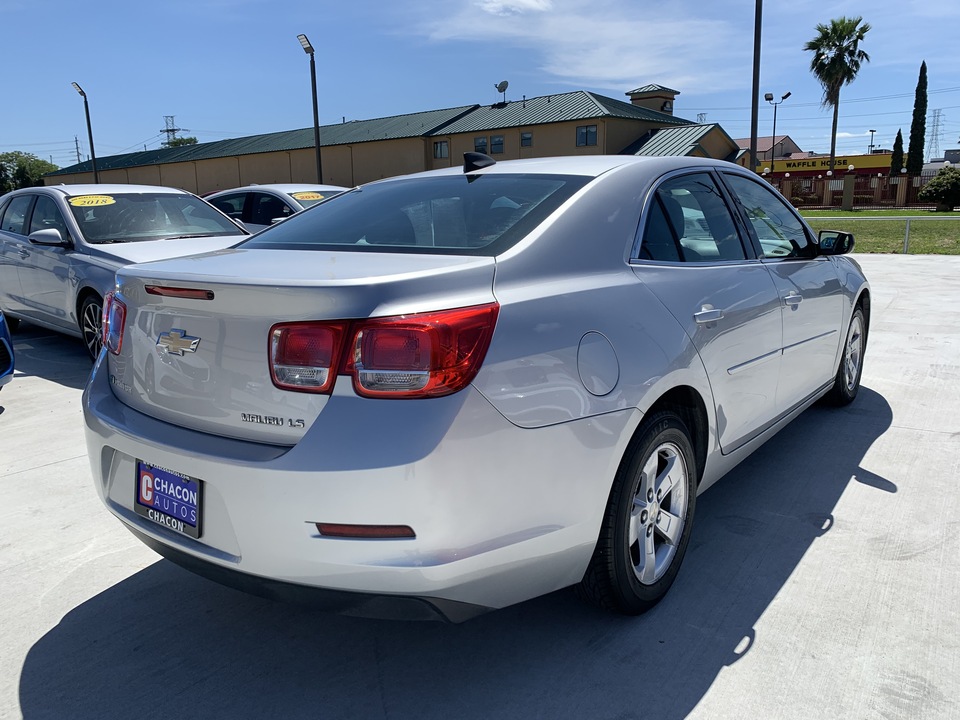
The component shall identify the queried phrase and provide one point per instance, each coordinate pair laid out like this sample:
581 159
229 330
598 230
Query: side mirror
48 237
835 242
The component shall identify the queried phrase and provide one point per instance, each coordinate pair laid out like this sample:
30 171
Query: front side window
14 217
231 205
267 209
586 135
779 231
480 144
132 217
46 216
496 144
441 149
442 215
688 221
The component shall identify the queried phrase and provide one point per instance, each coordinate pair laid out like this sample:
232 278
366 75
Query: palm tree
837 58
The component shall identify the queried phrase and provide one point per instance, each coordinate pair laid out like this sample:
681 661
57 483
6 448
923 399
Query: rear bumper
384 607
501 514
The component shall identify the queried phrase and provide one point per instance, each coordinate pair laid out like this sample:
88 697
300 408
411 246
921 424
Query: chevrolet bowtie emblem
177 342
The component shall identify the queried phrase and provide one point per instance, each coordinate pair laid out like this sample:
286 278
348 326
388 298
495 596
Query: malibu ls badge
177 342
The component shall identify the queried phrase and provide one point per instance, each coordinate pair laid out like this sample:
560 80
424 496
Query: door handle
793 299
707 315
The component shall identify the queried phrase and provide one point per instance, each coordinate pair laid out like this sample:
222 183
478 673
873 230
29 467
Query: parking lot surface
822 578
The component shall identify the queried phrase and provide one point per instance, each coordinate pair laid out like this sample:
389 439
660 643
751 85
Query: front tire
91 325
13 324
846 385
648 520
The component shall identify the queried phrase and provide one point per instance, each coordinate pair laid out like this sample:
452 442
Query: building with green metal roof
359 151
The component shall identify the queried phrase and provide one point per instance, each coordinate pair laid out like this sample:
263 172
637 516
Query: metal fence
935 234
870 192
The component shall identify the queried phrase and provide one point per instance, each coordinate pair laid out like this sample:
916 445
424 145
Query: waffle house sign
861 163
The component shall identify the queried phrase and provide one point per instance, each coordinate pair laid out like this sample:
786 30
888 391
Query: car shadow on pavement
164 642
43 353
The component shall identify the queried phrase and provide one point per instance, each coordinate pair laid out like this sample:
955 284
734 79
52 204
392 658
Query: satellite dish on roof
502 86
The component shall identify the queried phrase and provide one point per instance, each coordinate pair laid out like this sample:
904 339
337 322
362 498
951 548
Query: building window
441 149
526 139
480 144
586 135
496 144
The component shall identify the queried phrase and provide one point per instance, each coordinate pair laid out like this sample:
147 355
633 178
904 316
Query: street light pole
773 140
308 49
86 110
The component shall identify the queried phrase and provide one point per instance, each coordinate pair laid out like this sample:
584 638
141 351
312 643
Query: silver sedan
453 391
61 245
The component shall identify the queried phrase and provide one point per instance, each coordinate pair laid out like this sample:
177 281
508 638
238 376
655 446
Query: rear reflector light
365 531
113 320
304 356
189 293
407 356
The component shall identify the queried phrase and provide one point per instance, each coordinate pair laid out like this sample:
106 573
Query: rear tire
91 325
846 385
648 520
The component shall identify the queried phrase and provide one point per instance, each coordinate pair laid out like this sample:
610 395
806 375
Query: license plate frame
169 499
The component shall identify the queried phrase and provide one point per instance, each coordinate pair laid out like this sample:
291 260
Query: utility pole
76 142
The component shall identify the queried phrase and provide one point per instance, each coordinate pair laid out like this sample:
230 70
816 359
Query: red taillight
114 318
421 355
424 355
305 356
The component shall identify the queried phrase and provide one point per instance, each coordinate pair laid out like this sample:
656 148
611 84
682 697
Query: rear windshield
450 214
133 217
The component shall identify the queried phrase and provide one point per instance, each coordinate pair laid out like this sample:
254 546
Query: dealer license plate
169 498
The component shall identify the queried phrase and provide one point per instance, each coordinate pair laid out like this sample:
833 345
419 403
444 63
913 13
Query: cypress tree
896 159
918 128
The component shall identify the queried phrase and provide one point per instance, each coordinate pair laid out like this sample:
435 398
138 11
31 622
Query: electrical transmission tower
171 129
934 142
701 117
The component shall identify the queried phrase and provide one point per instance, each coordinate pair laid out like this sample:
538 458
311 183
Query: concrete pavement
822 579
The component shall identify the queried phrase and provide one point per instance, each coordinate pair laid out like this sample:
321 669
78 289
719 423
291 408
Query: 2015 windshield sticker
306 195
91 200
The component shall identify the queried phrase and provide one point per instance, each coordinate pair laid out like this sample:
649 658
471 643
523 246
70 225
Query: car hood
150 250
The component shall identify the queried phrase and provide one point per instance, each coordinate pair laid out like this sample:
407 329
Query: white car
260 206
457 390
61 245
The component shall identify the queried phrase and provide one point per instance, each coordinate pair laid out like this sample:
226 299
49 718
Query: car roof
282 188
588 165
109 189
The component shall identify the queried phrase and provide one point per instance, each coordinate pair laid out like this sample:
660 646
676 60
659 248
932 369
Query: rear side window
779 231
451 214
688 221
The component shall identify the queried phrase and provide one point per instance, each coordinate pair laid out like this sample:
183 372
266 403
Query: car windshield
449 214
307 198
134 217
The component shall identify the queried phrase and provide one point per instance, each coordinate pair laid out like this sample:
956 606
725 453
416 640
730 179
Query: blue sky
230 68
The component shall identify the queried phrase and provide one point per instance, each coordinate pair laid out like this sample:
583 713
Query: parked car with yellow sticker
260 206
60 247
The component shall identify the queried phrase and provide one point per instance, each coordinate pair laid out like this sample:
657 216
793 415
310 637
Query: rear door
14 250
693 258
811 298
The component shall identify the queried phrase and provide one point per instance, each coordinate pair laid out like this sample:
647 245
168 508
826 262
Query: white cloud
611 44
514 7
